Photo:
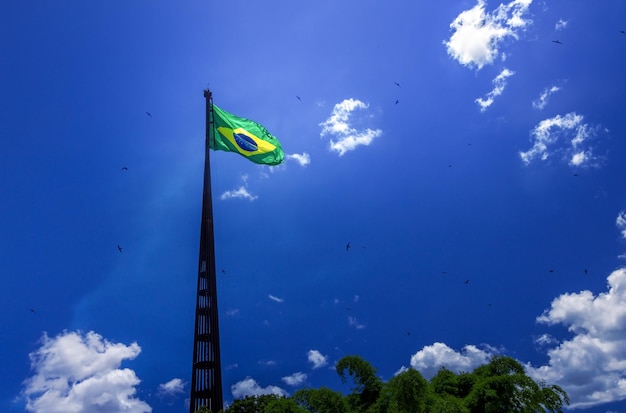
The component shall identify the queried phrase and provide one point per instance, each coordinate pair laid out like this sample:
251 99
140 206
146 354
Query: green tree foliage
283 405
367 385
323 400
251 404
501 386
407 392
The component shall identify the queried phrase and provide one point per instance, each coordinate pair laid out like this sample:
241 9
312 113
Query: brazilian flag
234 134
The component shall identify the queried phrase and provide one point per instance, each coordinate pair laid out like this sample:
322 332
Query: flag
234 134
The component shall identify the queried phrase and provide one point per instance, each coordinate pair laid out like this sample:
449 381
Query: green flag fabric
245 137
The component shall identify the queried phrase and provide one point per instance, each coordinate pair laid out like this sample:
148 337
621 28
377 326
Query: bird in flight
223 271
119 248
347 246
397 101
31 310
586 272
557 41
622 32
298 97
396 83
550 270
124 168
149 114
466 282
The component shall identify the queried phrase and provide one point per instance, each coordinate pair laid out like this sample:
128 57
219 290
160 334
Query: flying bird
31 310
557 41
223 272
298 97
124 168
586 272
622 32
149 114
550 270
397 101
466 282
396 83
119 248
347 246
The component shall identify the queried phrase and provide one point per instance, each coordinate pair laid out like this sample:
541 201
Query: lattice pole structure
206 378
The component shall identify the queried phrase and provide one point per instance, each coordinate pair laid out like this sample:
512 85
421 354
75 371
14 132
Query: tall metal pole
206 377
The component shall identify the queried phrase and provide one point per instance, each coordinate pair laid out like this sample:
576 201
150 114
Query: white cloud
317 358
549 131
171 388
560 25
338 125
542 101
545 340
591 366
274 298
579 158
499 83
478 34
249 387
268 363
430 358
621 223
295 379
401 370
241 192
80 374
303 159
352 321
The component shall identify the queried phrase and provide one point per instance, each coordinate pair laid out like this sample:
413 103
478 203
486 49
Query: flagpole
206 377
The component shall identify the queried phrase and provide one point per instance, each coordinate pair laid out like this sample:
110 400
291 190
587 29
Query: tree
251 404
367 384
323 400
283 405
407 392
503 386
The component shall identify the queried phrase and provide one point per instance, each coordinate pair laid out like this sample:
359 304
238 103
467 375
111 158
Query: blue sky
474 165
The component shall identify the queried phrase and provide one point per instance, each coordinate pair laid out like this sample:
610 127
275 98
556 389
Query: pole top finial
207 94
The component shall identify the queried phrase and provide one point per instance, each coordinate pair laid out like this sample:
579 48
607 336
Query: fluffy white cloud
171 388
249 387
478 34
548 132
499 83
430 358
303 159
295 379
542 101
591 366
241 192
317 358
338 125
560 25
80 374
